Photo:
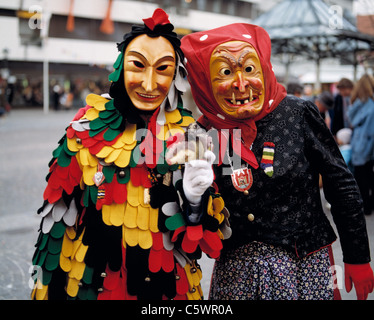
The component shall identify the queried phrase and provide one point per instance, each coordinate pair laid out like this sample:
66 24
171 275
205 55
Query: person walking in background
341 103
295 89
361 117
308 93
325 102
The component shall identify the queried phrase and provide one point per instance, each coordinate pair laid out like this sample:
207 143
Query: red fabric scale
139 177
159 257
62 178
209 242
151 146
81 112
177 232
119 191
181 283
191 238
114 192
95 143
115 283
114 286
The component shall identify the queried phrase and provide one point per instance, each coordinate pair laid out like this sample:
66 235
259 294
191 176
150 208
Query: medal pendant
99 175
242 179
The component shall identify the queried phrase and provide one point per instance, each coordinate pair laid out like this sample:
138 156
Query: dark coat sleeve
339 186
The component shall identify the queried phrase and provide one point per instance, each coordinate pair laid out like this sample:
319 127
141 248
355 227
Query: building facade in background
77 39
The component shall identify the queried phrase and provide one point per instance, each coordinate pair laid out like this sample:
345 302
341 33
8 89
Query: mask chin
248 112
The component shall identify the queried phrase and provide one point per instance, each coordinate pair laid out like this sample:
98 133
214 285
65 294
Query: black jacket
286 208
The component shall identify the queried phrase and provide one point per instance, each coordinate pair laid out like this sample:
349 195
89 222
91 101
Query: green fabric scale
62 153
47 255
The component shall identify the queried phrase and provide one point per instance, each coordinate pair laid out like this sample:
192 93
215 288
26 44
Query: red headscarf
198 48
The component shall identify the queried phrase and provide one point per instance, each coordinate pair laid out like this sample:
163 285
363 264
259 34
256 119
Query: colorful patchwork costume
115 218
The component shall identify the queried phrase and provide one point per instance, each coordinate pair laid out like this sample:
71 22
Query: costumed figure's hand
362 277
198 176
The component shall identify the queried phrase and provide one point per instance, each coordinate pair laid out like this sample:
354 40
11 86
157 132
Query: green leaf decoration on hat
118 65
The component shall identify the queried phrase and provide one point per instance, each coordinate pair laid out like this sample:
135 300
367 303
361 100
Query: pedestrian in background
341 103
295 89
325 102
361 117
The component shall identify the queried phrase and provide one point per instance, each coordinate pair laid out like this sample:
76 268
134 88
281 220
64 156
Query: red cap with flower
159 17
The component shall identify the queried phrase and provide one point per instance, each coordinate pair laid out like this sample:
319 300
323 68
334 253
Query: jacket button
251 217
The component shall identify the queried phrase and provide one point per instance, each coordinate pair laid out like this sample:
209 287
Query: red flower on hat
159 17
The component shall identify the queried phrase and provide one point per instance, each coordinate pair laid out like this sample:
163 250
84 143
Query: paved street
27 139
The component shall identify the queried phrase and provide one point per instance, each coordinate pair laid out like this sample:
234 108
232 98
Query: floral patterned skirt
259 271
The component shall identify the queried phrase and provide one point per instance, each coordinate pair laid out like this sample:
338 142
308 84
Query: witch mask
237 79
232 80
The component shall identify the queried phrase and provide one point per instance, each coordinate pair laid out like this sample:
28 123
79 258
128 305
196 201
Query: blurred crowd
349 113
63 95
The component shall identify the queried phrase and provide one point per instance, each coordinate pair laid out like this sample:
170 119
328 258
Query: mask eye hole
162 68
138 64
225 72
249 69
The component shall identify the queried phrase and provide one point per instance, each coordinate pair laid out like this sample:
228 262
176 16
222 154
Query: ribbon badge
268 158
242 179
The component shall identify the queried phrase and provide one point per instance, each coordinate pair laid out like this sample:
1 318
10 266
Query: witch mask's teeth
233 101
239 102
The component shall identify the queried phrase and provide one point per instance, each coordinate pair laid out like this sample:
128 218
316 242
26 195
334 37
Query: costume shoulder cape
115 220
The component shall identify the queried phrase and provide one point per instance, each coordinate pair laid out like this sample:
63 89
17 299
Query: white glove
198 176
